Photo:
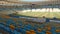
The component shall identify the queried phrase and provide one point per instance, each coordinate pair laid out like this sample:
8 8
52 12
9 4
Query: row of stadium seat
12 30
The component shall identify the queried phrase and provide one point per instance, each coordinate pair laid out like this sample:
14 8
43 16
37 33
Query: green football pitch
41 14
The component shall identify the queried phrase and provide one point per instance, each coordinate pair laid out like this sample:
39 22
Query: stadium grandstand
29 16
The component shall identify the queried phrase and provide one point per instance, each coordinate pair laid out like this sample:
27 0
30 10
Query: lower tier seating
18 26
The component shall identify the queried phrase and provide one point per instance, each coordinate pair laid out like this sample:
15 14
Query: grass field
41 14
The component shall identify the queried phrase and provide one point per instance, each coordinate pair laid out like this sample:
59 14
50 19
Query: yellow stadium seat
5 16
32 32
12 27
49 28
39 30
28 32
48 32
15 19
57 30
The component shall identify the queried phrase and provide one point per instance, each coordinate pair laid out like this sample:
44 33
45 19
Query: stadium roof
39 2
19 3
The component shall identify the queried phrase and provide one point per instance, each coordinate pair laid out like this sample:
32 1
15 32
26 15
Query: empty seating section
17 26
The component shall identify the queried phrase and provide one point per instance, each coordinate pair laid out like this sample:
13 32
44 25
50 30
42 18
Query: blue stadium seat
53 32
20 30
53 29
2 23
15 32
10 22
40 33
34 28
7 29
58 33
